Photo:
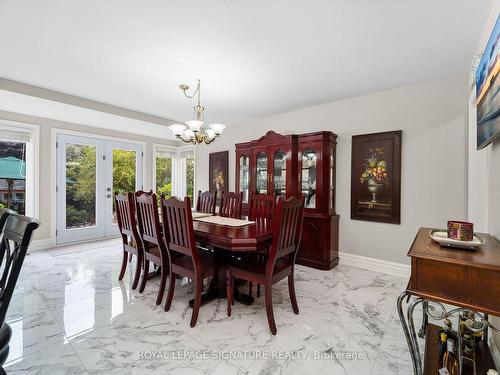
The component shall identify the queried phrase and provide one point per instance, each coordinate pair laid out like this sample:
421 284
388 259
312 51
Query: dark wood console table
465 279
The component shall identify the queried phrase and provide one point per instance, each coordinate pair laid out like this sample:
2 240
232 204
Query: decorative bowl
441 236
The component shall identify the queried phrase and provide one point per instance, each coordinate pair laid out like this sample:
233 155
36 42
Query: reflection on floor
70 315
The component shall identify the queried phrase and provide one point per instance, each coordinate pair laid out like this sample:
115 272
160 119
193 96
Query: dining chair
230 205
4 214
186 259
206 202
131 241
261 209
15 239
280 262
152 241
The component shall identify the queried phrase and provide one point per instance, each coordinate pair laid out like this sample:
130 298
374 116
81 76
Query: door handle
108 195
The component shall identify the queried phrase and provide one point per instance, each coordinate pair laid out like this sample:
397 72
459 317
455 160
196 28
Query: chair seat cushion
256 266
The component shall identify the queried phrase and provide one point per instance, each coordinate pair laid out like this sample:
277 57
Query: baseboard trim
37 245
373 264
495 350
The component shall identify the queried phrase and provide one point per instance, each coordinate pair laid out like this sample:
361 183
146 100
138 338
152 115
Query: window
174 171
163 174
188 164
18 146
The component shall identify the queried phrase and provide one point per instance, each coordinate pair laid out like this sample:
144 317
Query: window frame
32 191
178 175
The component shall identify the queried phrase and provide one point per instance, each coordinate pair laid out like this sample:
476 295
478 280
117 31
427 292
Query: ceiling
255 58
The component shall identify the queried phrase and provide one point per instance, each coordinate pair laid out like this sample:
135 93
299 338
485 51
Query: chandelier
192 131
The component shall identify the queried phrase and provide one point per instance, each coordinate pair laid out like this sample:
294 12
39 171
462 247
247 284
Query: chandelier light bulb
177 129
218 128
194 125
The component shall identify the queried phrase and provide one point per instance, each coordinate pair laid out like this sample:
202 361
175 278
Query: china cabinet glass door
308 177
331 195
261 183
279 174
244 176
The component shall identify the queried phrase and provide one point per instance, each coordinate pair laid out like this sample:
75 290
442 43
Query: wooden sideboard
294 165
461 278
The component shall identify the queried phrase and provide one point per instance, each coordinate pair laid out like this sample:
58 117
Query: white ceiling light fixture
192 131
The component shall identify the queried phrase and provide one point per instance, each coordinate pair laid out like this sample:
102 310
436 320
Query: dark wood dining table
238 241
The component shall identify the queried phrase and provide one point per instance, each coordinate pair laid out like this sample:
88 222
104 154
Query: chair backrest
287 231
125 216
230 205
206 202
261 207
15 239
148 219
4 214
177 221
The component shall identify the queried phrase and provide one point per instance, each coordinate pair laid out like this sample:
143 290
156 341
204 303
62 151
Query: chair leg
145 272
124 266
229 291
269 307
137 273
250 288
291 291
170 293
130 257
163 281
258 290
197 301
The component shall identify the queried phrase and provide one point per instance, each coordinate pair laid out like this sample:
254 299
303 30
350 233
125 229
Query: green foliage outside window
164 176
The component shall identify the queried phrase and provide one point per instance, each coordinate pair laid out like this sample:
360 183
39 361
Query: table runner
224 221
198 215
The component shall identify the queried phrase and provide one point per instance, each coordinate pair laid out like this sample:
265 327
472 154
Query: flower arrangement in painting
375 167
219 181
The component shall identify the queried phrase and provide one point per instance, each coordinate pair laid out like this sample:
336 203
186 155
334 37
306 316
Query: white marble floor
71 315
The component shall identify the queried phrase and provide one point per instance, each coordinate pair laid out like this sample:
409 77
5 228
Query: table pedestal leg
217 289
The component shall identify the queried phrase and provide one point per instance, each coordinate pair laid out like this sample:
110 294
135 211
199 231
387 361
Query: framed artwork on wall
376 177
217 168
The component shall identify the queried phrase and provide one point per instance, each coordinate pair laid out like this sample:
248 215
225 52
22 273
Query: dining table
229 241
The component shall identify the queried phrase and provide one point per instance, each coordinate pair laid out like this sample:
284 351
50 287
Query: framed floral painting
217 167
376 177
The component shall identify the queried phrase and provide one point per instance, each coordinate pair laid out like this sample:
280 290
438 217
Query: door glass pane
190 176
279 173
80 186
331 198
123 174
261 173
309 177
244 176
13 176
164 175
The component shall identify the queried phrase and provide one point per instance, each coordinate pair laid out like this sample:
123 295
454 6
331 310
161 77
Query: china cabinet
295 165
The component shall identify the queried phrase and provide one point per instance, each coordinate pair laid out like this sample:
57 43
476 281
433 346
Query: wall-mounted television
488 91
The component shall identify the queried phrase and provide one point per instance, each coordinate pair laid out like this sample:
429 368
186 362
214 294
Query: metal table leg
409 331
425 319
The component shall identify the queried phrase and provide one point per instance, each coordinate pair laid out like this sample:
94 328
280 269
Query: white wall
433 118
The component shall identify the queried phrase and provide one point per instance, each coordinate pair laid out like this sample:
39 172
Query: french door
89 172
